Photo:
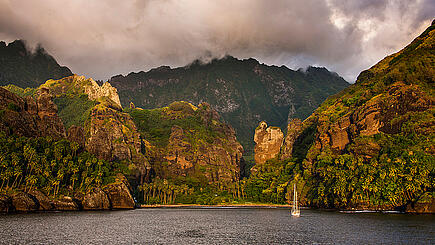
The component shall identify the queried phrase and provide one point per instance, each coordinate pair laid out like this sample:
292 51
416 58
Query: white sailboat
295 208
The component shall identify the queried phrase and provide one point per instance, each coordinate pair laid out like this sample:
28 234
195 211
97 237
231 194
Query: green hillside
369 146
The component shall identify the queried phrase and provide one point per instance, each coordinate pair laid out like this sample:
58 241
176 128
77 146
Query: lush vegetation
22 92
156 124
402 172
190 190
56 167
74 109
387 169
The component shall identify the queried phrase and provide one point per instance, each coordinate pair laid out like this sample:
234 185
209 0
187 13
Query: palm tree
74 147
16 173
74 176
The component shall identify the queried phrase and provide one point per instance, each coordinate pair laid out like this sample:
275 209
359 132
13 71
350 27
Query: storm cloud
101 38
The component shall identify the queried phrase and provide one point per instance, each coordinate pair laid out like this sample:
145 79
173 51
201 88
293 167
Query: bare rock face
294 128
96 199
218 159
43 200
65 203
77 134
95 91
112 135
30 118
49 122
23 202
338 134
79 84
268 142
119 194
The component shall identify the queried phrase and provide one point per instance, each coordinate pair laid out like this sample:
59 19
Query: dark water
215 226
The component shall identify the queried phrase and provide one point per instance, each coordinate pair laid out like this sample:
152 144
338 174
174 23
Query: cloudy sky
102 38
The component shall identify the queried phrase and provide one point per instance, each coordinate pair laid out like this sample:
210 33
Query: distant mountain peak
25 67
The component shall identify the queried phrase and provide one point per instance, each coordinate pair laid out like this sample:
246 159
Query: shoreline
145 206
271 206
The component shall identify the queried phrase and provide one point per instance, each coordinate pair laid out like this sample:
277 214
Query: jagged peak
81 84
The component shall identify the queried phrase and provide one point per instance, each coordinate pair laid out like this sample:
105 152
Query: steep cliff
243 92
190 142
94 112
372 145
268 142
28 116
42 171
26 68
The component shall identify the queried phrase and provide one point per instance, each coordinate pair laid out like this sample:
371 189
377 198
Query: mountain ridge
243 91
28 68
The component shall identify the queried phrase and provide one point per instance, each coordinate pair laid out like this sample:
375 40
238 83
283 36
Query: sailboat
295 208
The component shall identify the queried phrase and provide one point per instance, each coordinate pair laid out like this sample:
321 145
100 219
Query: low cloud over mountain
102 38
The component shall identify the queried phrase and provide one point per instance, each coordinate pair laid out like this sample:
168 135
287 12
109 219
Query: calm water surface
215 226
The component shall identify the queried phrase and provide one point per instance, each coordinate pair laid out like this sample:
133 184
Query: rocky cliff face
112 135
107 131
79 84
195 143
29 117
243 92
381 126
25 68
94 91
293 130
119 194
268 142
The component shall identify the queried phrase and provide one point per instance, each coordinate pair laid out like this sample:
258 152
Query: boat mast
294 197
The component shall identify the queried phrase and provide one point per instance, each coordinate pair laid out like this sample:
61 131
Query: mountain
370 146
26 68
189 147
244 92
69 145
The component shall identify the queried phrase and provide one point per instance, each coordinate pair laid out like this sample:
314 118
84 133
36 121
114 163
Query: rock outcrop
119 194
24 202
95 91
43 201
108 132
29 117
96 199
112 135
49 122
294 129
268 142
199 144
80 84
65 203
372 118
